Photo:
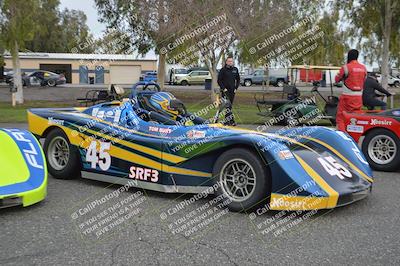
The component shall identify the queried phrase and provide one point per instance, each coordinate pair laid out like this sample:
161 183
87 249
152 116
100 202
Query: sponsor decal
53 121
375 122
355 129
362 122
279 203
145 174
95 111
285 155
160 129
112 114
195 134
353 121
30 152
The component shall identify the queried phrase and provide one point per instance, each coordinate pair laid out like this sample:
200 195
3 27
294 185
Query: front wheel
184 83
51 83
62 157
243 179
397 84
381 148
247 83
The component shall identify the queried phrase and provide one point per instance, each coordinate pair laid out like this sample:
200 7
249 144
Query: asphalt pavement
161 229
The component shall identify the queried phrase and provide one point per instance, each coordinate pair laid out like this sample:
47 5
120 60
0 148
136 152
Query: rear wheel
62 158
397 84
242 178
381 148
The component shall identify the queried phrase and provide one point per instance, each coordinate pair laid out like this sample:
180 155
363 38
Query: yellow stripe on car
340 156
333 194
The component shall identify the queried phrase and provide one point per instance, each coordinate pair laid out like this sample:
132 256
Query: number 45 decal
103 158
334 168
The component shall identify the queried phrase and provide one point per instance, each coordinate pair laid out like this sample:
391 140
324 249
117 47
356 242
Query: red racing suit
353 75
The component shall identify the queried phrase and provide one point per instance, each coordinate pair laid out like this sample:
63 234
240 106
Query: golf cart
94 97
291 109
331 101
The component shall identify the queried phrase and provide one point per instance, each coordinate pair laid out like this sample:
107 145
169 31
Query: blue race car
151 141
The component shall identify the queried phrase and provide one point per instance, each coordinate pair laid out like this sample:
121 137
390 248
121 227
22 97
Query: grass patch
9 114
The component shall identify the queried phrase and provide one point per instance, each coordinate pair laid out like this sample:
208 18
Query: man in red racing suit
353 75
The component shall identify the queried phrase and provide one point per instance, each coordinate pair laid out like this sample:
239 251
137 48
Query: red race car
378 134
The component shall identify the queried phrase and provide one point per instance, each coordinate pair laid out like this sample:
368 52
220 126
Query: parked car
41 78
179 72
258 77
194 77
8 76
150 76
392 81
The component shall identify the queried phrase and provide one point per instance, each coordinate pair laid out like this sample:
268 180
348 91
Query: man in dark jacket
369 96
229 81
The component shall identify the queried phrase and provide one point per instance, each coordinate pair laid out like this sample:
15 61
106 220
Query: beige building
87 68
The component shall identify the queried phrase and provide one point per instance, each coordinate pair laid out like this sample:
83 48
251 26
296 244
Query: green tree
332 46
17 28
76 36
375 30
48 31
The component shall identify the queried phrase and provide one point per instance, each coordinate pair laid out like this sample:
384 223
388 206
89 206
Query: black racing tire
67 165
396 84
259 193
184 83
51 83
373 148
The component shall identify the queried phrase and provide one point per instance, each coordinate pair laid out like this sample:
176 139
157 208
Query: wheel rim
238 180
58 153
247 83
280 83
382 149
51 82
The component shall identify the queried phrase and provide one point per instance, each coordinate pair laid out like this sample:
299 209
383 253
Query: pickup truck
258 77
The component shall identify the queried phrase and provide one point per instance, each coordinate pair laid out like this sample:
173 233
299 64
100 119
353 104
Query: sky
88 7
